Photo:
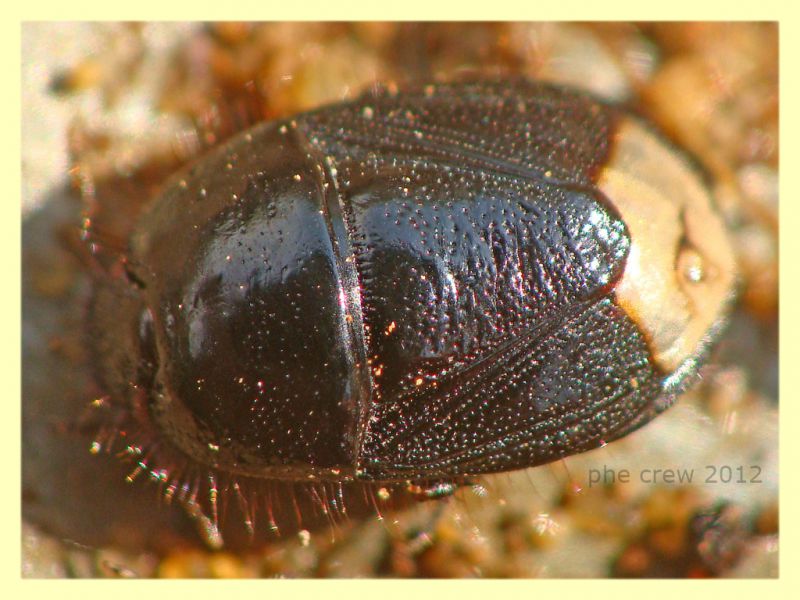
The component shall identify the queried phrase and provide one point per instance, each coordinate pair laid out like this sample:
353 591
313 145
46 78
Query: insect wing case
411 286
487 260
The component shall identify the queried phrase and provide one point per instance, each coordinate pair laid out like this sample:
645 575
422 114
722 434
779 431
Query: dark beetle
453 280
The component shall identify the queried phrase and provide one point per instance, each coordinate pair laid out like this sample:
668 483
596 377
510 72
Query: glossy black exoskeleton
424 286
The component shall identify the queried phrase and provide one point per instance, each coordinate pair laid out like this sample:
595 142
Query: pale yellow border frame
10 25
